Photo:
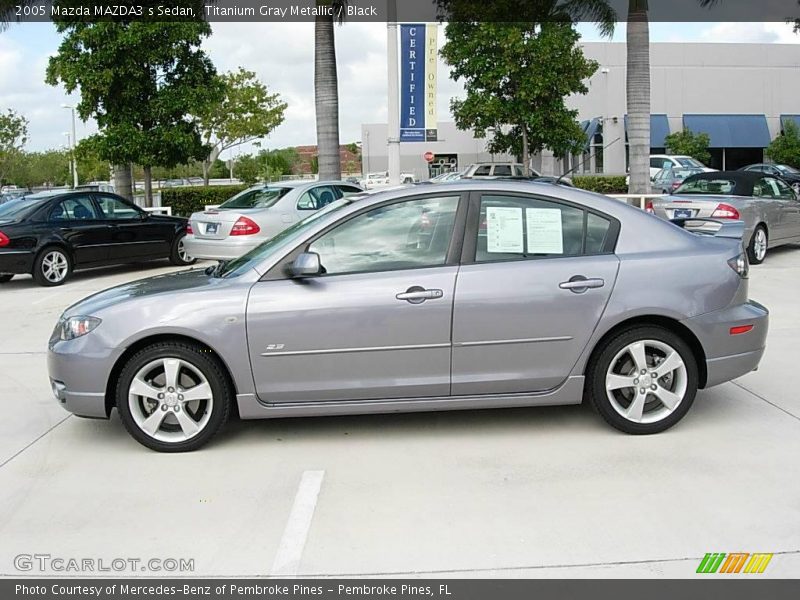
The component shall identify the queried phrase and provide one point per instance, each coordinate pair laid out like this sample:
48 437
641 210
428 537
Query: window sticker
545 235
504 230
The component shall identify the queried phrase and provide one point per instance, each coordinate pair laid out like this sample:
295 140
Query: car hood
160 285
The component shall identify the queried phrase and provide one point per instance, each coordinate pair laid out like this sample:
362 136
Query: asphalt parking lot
544 492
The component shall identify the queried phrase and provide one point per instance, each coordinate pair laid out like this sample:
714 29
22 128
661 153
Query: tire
165 421
665 400
177 255
757 248
6 277
53 266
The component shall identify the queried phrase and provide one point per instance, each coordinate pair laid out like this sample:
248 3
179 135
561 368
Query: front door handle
579 284
418 295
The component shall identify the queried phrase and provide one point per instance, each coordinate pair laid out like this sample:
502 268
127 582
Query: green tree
785 149
247 168
517 76
142 81
13 136
41 169
91 167
246 112
688 143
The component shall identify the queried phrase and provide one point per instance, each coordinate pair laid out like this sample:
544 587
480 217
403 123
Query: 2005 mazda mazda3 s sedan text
470 295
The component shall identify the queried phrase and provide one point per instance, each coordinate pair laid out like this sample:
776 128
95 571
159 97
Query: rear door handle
579 284
418 295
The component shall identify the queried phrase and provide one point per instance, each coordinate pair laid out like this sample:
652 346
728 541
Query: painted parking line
293 540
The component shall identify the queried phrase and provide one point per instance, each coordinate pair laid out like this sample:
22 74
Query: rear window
685 161
259 198
19 208
718 186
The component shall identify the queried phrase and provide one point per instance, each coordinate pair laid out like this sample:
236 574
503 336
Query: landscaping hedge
187 200
602 184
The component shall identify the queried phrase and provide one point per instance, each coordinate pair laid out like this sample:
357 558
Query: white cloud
762 33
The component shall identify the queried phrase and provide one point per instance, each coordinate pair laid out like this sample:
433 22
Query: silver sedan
470 295
243 222
767 205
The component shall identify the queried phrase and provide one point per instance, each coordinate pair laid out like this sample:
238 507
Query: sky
282 56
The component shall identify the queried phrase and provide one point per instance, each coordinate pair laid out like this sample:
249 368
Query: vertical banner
418 60
431 61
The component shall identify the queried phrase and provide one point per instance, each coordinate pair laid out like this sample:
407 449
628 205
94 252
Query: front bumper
79 371
226 249
18 262
731 356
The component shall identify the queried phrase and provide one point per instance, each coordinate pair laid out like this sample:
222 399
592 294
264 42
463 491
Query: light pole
68 135
393 141
74 143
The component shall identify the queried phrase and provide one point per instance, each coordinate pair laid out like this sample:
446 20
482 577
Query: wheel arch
111 383
667 323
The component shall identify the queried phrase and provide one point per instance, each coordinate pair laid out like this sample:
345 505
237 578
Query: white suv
673 161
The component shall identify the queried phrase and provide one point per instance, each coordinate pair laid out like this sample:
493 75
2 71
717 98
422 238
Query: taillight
4 241
740 265
189 230
725 211
741 329
649 207
245 226
676 185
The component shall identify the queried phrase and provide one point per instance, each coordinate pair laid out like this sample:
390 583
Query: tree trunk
122 181
206 169
326 95
638 89
526 157
148 185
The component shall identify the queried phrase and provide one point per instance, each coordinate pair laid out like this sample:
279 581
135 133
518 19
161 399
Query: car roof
295 183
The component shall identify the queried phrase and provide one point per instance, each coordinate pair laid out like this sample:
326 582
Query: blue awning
590 129
795 118
731 131
659 130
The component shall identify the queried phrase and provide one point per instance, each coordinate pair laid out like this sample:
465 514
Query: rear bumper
18 262
226 249
731 356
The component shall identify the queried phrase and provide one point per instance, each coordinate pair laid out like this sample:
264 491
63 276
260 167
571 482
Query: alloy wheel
170 400
182 254
646 381
760 244
55 266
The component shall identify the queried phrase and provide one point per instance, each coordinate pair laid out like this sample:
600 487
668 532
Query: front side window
483 171
75 208
117 208
502 170
775 188
316 198
347 190
406 235
513 228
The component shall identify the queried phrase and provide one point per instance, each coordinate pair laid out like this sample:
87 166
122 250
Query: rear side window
483 171
515 228
75 208
502 170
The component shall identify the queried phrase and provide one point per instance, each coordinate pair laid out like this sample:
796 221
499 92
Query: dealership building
739 94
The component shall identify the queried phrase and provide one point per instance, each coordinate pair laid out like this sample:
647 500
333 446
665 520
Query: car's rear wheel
643 380
178 255
6 277
52 267
757 249
173 397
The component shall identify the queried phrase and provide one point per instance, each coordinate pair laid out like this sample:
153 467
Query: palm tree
638 96
326 91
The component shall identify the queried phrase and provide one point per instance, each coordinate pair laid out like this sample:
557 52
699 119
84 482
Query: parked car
675 161
96 186
52 234
667 181
496 169
448 176
476 294
10 195
789 174
380 180
255 215
767 205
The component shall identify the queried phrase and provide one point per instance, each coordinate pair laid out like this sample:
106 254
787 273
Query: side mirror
306 265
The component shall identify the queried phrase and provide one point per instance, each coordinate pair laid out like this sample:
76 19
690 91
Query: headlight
75 327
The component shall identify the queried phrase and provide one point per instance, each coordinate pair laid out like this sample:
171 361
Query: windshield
720 186
688 162
255 198
18 208
787 169
285 238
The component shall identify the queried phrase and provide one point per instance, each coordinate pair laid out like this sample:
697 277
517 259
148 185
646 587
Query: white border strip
290 549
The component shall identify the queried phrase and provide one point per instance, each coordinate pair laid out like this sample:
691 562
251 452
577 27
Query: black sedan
53 233
789 174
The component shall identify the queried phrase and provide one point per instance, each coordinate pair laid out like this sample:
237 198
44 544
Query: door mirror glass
307 265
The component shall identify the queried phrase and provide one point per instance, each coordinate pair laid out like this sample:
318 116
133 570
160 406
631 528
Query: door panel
77 222
515 329
348 337
133 234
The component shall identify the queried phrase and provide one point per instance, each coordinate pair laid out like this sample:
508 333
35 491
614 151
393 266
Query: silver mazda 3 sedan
464 295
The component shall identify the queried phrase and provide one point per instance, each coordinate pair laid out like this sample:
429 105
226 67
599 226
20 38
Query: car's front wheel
757 250
643 380
173 396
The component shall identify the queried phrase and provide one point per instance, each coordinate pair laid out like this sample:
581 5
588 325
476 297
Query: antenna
585 160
